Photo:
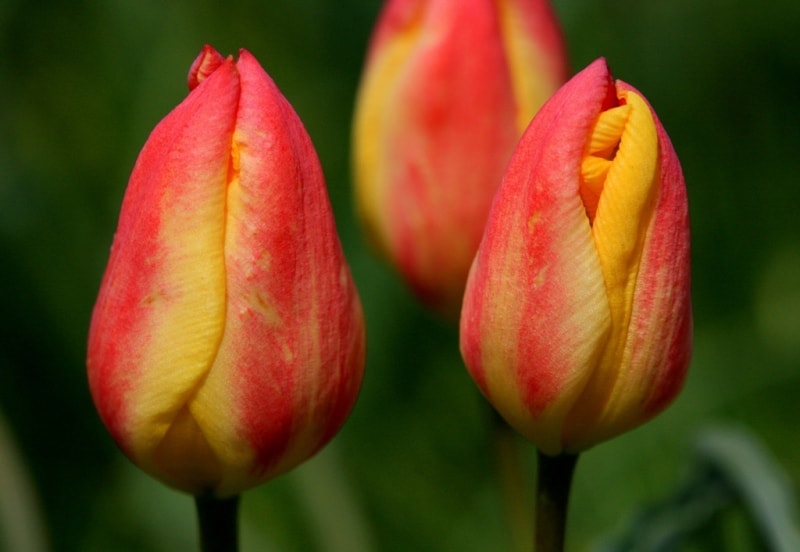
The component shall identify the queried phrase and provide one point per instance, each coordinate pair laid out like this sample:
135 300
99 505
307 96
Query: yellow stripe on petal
499 349
537 68
187 303
599 156
607 132
593 171
184 458
212 407
624 212
188 317
371 121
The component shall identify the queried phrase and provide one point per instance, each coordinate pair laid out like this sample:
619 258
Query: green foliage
83 82
735 496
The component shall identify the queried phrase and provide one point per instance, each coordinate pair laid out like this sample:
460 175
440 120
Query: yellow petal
608 131
623 217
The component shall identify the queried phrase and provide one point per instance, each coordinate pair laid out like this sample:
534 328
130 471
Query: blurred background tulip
84 83
447 89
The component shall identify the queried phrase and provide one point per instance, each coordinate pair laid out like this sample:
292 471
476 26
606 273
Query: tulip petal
184 458
641 233
623 215
203 66
535 312
290 380
161 310
659 341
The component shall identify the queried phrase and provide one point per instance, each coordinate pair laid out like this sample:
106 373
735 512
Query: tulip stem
218 521
552 500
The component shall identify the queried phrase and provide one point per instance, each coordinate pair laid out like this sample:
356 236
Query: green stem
552 500
218 521
514 482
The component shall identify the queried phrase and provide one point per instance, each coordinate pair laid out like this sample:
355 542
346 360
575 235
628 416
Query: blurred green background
82 83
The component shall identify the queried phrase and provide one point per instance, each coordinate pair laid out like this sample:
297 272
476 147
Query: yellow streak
599 156
532 77
372 115
187 313
623 216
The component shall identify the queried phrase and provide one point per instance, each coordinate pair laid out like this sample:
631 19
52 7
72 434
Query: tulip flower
227 342
448 88
577 320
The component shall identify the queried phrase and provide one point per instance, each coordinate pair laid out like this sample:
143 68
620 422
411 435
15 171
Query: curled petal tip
207 61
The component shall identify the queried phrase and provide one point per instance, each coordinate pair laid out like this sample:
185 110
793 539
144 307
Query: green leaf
760 483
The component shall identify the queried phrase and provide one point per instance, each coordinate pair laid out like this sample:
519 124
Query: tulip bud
227 342
577 319
448 88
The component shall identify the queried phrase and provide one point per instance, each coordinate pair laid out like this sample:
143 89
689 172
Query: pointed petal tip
206 62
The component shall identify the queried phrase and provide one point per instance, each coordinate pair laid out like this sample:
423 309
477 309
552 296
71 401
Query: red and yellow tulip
577 319
448 88
227 342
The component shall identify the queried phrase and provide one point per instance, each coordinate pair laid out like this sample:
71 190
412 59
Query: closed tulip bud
227 342
577 314
448 88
